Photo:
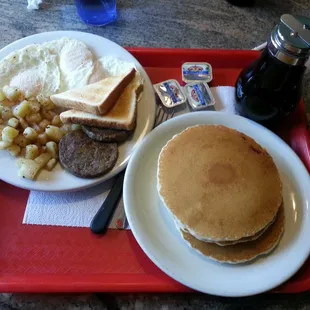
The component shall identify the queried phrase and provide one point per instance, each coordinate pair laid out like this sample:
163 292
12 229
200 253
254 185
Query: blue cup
96 12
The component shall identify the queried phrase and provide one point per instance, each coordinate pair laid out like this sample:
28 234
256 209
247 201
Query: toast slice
121 116
97 98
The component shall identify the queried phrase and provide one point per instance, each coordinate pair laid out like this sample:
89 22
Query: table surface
162 23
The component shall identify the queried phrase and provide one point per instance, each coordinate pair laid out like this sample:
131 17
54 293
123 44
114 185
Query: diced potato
23 109
6 113
51 164
1 109
34 106
4 145
21 141
32 151
29 169
42 138
9 133
14 150
56 121
21 161
75 127
37 128
52 148
11 93
13 122
54 133
43 159
44 123
47 114
2 96
1 121
23 123
30 134
8 103
34 118
45 102
23 152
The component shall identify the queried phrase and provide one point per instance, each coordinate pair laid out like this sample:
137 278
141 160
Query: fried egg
49 68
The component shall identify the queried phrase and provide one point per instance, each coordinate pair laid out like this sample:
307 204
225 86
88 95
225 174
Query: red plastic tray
60 259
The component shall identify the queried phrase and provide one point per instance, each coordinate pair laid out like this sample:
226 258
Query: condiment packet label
199 96
170 93
196 72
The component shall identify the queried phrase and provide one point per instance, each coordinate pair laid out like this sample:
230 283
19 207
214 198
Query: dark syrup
268 90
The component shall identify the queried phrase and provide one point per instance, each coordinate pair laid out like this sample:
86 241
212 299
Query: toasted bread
97 98
121 116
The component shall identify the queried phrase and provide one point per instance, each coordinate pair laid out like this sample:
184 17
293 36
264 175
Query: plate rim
148 251
147 81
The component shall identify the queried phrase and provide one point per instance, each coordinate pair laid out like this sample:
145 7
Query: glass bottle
271 87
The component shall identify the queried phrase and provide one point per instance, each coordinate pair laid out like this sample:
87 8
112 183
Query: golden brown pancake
218 183
241 252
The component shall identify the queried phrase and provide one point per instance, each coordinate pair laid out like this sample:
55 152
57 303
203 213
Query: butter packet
170 93
199 96
196 72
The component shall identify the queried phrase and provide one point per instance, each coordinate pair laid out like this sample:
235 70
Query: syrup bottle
271 87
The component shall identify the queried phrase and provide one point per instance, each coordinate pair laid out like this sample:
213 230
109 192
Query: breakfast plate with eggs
219 203
73 107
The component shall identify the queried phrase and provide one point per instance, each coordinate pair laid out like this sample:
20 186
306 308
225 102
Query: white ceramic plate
59 179
156 233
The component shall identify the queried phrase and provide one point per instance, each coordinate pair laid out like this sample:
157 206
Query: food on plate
106 135
235 192
65 72
25 132
85 157
96 98
121 116
241 252
48 68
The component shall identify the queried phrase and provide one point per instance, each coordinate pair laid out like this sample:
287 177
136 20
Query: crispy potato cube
43 159
42 138
45 102
34 118
2 96
13 122
9 133
51 164
11 93
14 150
56 121
30 134
29 169
21 161
47 114
23 123
23 109
54 133
37 128
44 123
34 106
4 145
52 148
6 113
23 152
32 151
21 141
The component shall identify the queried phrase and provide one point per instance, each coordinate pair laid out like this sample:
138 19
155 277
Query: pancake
225 243
218 183
241 252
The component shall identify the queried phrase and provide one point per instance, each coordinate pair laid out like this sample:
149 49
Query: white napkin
77 209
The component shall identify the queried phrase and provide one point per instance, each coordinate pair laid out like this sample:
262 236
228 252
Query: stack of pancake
223 191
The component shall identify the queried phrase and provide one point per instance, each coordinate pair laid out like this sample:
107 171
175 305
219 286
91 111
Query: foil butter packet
196 72
170 93
199 96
